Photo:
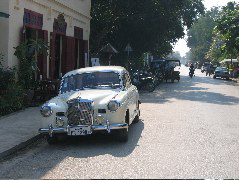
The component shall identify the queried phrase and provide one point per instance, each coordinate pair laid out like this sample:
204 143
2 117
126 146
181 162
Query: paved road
188 129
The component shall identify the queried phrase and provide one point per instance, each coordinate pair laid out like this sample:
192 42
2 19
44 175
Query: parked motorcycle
143 81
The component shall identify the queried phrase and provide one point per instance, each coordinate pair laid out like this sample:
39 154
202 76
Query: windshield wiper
90 87
110 84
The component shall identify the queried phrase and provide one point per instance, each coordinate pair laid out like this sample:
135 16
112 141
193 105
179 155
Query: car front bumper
94 128
222 75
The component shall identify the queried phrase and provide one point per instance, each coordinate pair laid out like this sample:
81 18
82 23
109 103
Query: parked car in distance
221 72
91 100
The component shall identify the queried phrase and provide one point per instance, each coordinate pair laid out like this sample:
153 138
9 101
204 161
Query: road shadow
191 89
101 144
41 159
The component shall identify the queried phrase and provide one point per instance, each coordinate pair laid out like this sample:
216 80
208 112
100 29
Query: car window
90 80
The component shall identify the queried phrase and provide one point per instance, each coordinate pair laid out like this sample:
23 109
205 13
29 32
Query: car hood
100 97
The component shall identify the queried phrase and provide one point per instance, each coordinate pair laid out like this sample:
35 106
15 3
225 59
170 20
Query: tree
200 35
149 26
227 26
215 52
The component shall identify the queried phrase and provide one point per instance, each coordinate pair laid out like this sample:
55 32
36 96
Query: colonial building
65 24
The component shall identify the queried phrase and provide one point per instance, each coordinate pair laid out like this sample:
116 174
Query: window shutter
70 54
23 34
52 55
86 52
44 70
40 57
76 53
81 54
64 56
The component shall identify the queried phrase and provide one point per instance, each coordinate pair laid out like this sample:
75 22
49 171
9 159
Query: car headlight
113 105
46 110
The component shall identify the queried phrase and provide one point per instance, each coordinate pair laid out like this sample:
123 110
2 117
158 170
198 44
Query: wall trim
76 12
64 6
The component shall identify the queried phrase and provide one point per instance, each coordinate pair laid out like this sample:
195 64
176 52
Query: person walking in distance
209 69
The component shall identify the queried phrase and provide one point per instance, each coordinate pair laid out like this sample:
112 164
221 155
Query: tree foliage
228 26
215 52
200 35
149 26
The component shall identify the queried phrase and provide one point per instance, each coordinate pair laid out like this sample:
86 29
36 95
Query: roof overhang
229 60
4 15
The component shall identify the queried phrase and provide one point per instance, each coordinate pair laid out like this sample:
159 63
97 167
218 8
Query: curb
4 155
235 80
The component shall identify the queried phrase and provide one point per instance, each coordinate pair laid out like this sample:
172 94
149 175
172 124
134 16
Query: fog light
60 122
99 119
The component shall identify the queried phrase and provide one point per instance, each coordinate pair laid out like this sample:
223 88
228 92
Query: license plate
79 131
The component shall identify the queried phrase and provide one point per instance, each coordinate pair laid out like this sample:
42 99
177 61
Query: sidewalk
236 80
18 130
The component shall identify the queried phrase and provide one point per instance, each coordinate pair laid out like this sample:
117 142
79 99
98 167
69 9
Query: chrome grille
80 112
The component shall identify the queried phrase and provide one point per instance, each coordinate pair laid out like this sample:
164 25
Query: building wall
4 24
76 13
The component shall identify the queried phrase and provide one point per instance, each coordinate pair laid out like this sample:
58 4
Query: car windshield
224 69
92 80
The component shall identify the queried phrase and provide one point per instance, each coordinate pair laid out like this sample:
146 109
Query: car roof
117 69
221 67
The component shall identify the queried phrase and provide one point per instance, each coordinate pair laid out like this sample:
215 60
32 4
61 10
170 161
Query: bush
11 94
7 77
12 100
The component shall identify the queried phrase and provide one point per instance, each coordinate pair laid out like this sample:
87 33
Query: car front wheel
122 135
52 140
136 119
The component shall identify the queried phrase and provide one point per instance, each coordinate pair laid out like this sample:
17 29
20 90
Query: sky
181 45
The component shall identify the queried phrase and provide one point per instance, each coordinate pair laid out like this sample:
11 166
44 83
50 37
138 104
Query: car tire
122 135
214 77
51 140
136 119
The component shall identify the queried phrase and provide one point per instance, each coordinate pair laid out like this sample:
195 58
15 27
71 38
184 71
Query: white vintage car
91 100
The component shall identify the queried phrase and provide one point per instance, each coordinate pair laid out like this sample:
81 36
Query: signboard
95 62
